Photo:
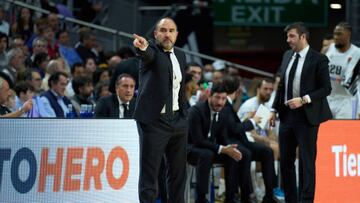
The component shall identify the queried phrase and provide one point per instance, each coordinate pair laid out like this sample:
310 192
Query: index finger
137 36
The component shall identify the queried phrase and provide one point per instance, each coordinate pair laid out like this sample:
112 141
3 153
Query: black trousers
296 131
203 159
252 151
166 135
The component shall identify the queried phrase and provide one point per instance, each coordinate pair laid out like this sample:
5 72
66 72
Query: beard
339 45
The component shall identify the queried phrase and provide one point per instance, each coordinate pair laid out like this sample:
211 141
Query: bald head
166 33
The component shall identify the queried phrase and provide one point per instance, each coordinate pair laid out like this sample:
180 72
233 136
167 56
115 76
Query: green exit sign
270 12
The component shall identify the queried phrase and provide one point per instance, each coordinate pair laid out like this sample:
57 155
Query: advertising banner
338 162
69 160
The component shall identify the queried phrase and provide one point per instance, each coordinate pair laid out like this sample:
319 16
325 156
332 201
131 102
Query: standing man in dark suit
121 104
302 106
160 112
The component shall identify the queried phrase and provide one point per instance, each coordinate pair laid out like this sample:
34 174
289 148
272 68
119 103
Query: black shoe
268 200
232 201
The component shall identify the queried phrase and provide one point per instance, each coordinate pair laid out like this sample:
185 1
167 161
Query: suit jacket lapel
207 119
305 70
116 111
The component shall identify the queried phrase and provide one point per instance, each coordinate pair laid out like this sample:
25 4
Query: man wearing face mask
344 69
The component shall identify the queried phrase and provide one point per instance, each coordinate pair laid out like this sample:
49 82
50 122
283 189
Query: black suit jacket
236 128
155 83
199 127
108 107
315 82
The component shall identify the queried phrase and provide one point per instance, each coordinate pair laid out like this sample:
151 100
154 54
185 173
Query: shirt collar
56 94
229 100
303 52
121 102
171 50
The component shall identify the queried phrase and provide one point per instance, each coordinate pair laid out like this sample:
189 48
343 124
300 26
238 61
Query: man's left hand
294 103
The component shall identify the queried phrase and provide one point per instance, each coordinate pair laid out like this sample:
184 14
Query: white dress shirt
121 107
297 77
177 77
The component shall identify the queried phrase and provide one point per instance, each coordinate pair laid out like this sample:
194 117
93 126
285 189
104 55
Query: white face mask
208 76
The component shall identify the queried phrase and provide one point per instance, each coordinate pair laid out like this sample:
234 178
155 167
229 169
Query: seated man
121 104
208 143
83 89
255 151
54 101
5 84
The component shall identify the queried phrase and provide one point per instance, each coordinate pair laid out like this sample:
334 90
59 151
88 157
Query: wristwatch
303 100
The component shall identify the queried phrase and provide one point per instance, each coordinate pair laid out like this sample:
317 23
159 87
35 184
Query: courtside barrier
338 162
69 160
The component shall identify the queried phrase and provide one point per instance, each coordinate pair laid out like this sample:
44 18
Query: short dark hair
125 52
39 58
56 77
28 74
345 25
57 35
300 29
74 66
80 81
3 35
231 83
218 88
124 75
191 64
99 87
267 80
22 86
328 36
97 74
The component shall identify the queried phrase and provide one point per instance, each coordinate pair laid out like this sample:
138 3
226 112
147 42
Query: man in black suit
121 104
250 150
208 143
160 112
302 106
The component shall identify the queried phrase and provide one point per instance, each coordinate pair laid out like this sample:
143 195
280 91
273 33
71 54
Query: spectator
41 61
24 92
52 46
77 70
54 101
121 104
5 91
87 45
90 67
52 67
101 75
33 77
101 90
24 25
39 45
66 50
4 25
15 63
83 88
3 47
195 70
327 40
53 22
